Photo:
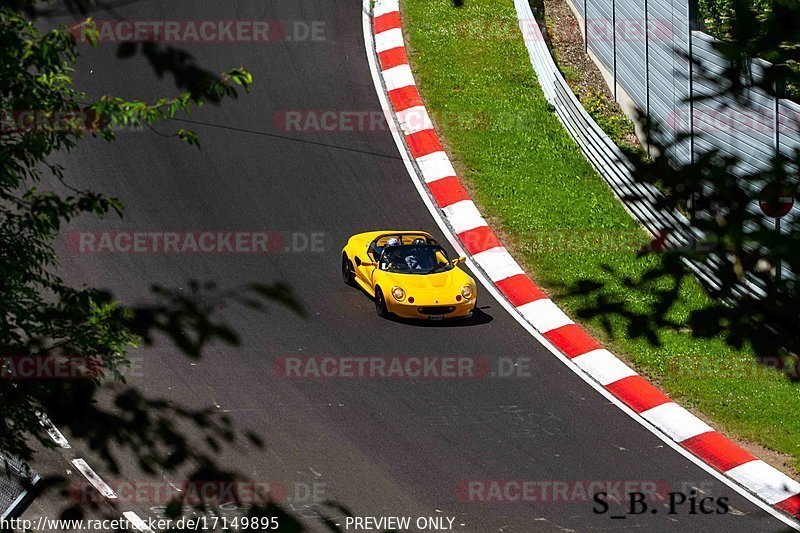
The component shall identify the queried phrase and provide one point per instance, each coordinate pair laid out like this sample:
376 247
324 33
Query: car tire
348 275
380 303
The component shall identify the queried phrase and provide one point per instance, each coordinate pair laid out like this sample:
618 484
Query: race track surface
382 447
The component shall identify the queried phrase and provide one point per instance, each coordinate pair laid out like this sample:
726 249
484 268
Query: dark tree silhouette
43 317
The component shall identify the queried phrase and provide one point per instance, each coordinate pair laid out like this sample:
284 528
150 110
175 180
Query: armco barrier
16 481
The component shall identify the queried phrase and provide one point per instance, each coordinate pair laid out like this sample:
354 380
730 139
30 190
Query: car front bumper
431 312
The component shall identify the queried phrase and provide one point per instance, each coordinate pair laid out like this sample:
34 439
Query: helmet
420 240
393 241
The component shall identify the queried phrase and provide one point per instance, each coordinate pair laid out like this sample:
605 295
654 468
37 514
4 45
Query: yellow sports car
409 275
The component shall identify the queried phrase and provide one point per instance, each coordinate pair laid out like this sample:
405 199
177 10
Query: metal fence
16 482
641 199
647 47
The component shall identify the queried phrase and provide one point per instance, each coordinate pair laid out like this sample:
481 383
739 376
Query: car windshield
415 259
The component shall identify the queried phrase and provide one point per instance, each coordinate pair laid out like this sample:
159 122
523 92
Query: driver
421 260
412 261
391 241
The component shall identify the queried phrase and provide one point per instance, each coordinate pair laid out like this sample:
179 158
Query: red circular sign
776 201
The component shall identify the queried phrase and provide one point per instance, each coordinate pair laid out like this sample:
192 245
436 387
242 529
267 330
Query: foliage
613 122
716 14
757 28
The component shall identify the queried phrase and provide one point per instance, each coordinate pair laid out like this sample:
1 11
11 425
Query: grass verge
565 225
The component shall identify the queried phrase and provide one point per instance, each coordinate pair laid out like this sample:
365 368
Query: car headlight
466 291
398 293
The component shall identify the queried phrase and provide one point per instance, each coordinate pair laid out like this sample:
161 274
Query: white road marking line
94 479
137 522
53 431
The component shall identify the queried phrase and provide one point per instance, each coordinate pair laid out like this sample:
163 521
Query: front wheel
348 275
380 303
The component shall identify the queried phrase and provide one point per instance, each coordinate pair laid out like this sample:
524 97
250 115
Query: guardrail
16 482
639 199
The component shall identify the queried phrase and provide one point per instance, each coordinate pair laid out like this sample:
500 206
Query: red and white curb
433 166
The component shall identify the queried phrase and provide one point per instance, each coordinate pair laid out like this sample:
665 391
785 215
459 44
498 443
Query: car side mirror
368 264
459 260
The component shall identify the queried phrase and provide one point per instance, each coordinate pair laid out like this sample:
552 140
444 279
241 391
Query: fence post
693 23
586 25
647 74
614 39
780 88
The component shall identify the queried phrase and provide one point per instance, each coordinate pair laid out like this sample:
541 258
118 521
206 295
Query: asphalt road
382 447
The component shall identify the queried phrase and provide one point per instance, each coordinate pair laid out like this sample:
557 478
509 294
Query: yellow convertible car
409 275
